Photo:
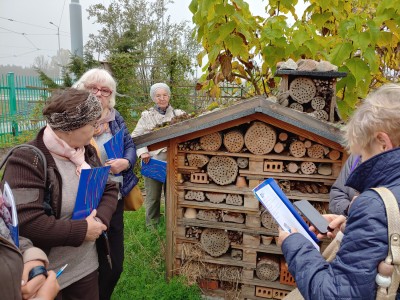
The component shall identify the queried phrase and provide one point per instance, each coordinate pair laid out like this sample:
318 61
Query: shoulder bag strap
393 216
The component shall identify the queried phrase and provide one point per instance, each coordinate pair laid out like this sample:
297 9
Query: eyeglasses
103 92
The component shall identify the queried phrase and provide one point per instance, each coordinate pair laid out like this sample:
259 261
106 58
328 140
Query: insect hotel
218 234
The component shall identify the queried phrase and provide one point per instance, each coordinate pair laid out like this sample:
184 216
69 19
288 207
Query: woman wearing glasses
161 112
100 83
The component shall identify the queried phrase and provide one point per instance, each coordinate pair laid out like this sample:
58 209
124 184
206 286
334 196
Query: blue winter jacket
129 178
351 275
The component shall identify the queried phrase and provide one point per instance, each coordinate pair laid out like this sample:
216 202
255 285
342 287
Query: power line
34 25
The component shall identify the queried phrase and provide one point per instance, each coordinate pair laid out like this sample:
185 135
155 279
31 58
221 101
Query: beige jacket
148 121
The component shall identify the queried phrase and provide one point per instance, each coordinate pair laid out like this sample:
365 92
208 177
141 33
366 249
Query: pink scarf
59 147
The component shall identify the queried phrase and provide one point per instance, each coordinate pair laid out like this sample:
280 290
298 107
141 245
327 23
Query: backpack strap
47 194
393 258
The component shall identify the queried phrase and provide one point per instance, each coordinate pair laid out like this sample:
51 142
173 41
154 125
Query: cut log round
308 167
222 169
197 160
215 241
283 136
211 142
260 138
316 151
279 147
268 268
334 154
268 222
216 197
297 149
234 141
242 162
292 167
302 89
320 115
318 103
325 169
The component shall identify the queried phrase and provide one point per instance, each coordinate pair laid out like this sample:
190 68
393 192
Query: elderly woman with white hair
156 115
373 132
100 83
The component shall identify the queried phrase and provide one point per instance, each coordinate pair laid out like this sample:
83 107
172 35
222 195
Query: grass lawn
144 266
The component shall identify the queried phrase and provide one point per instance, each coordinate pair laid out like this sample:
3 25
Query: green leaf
360 40
193 6
358 68
372 59
236 46
321 19
340 53
346 27
224 30
224 9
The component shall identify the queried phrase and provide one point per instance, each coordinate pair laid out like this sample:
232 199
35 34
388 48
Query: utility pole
58 35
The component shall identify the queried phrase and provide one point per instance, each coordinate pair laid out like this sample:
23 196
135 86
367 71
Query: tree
361 37
143 46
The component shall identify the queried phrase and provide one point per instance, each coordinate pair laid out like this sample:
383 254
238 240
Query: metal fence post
12 103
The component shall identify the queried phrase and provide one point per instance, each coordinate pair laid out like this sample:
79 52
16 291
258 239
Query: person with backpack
373 132
72 117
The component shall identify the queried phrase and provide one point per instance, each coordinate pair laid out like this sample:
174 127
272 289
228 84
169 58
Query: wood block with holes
250 201
251 240
199 178
256 164
263 292
279 294
273 166
253 221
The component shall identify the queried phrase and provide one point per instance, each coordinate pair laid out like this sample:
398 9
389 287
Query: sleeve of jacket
141 128
129 145
25 177
351 275
340 194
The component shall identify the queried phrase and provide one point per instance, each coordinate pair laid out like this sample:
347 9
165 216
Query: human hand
95 228
117 165
336 223
31 287
145 157
49 289
284 234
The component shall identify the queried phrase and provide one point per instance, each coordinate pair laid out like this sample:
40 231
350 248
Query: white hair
378 113
98 76
156 86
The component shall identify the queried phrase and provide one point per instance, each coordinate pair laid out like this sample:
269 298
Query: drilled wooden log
268 268
334 155
195 195
197 160
318 103
211 142
297 149
296 106
308 167
315 151
214 241
234 141
222 169
320 115
243 162
260 138
279 147
268 222
216 197
292 167
234 199
302 89
208 215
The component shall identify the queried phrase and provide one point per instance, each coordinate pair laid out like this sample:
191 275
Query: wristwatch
36 271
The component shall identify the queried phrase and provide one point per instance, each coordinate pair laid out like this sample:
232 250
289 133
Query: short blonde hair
98 76
378 113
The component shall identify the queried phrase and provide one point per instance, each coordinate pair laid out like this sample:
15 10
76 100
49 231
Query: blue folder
90 190
155 169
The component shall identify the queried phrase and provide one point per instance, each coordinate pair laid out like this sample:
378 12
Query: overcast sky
25 31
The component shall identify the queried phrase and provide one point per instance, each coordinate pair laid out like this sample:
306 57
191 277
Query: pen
61 270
